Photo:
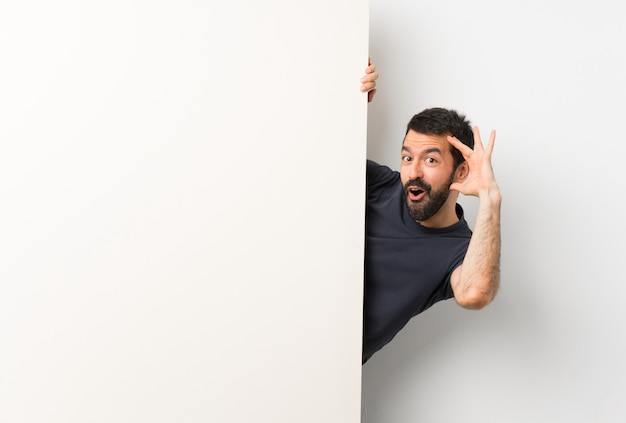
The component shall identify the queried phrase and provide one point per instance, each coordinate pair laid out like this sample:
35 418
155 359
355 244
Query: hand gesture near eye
481 180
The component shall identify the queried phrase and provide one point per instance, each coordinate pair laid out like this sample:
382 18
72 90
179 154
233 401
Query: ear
461 172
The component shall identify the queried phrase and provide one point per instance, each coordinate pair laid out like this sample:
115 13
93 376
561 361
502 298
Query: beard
432 201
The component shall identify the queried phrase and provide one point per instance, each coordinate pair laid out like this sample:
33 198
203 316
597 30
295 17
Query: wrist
491 195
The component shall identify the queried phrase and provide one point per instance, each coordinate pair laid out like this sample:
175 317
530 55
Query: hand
481 180
368 82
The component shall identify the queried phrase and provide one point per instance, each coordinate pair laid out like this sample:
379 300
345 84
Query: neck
446 216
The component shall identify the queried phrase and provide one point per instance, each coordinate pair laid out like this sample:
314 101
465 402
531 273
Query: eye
431 160
406 158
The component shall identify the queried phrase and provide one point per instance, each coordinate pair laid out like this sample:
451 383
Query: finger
459 145
455 186
369 77
367 86
492 141
370 95
478 144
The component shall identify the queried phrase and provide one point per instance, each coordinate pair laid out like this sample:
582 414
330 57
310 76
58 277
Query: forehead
416 142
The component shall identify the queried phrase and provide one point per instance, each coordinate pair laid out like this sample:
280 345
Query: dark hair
440 121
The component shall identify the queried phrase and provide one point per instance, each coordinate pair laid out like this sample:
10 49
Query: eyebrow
427 151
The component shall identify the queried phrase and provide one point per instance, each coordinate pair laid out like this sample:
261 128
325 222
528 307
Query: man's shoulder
380 174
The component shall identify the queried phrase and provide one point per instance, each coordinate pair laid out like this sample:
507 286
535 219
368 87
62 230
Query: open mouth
415 193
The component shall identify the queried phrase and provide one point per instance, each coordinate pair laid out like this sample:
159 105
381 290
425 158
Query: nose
415 170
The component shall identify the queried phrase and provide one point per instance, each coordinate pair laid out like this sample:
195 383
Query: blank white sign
181 218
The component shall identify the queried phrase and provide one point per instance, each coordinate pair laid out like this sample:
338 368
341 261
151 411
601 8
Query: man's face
426 173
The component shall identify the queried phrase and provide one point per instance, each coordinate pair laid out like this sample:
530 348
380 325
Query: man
419 248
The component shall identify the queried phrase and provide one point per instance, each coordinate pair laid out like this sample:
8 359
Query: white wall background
181 229
549 77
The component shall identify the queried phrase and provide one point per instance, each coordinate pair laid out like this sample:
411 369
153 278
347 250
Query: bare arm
475 283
